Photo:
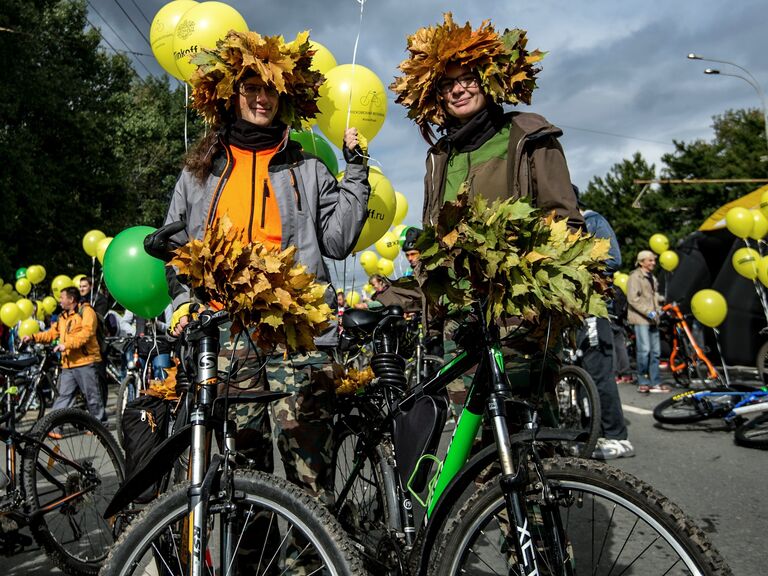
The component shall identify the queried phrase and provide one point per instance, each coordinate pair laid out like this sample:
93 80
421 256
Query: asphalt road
699 467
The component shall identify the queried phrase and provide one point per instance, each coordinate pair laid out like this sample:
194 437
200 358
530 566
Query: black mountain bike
496 504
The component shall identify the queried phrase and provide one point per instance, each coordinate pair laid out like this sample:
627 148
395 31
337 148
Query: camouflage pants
301 424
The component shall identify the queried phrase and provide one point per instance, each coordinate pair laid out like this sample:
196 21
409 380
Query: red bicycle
687 360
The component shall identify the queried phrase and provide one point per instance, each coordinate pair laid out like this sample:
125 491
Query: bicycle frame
751 402
681 331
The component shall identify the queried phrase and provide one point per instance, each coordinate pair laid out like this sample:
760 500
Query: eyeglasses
465 81
254 89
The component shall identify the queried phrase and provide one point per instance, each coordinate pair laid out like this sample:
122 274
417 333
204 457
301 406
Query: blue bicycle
731 404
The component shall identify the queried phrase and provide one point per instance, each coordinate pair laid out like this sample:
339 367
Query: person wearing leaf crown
251 90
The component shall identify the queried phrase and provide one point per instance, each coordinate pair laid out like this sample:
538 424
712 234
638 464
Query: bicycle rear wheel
612 523
128 391
753 433
69 481
696 406
263 508
578 409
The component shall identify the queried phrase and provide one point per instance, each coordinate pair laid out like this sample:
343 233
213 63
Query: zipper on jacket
295 188
264 197
253 199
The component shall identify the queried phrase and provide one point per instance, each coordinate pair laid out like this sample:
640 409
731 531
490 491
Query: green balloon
134 278
21 273
317 146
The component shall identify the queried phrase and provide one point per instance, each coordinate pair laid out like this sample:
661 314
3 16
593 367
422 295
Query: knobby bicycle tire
72 530
761 362
753 433
128 390
157 538
612 523
686 408
365 511
578 408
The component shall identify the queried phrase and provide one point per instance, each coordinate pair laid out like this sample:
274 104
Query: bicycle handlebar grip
159 243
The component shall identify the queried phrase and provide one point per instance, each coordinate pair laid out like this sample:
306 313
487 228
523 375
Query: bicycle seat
17 363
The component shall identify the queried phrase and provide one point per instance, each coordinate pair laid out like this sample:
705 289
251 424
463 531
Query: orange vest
248 198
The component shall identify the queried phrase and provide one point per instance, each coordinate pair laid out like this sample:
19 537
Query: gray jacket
319 215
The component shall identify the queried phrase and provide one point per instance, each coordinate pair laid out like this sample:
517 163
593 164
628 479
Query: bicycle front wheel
277 529
578 409
691 407
612 523
754 433
70 475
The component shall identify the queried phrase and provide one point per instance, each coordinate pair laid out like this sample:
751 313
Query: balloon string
354 60
93 275
186 116
758 287
722 358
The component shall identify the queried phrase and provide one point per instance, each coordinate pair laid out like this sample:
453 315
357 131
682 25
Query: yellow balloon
39 310
10 314
355 89
91 241
398 230
762 270
26 307
352 298
668 260
709 307
29 327
764 203
7 288
658 243
59 283
76 279
739 221
386 267
401 209
759 227
368 289
323 60
35 273
388 246
49 304
101 249
369 262
381 210
620 279
745 261
23 286
201 27
161 34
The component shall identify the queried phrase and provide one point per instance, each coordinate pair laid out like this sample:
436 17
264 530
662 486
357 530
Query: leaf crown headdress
505 68
284 67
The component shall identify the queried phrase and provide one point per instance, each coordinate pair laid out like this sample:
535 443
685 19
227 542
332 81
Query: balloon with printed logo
739 222
620 279
759 225
669 260
386 267
401 208
161 34
26 307
134 278
36 273
745 261
352 298
388 246
28 327
201 27
369 261
101 248
91 241
354 92
658 243
317 146
23 286
59 283
709 307
21 273
49 304
381 210
10 314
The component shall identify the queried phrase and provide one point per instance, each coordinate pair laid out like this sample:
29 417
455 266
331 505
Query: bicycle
200 526
687 360
518 513
731 404
63 487
29 385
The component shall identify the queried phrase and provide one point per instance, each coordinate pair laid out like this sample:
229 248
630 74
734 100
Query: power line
116 51
134 23
615 135
141 12
128 48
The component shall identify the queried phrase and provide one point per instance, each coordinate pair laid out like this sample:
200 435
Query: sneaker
659 389
644 388
609 449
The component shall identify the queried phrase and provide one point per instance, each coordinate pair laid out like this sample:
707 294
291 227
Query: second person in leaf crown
252 90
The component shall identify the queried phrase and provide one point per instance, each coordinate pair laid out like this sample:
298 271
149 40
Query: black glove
356 156
159 243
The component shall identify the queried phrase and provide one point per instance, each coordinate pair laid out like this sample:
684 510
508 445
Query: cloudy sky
616 78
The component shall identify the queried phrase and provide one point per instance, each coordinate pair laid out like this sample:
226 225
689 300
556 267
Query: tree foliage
676 210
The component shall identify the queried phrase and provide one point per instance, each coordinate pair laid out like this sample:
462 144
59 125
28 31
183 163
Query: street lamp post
749 79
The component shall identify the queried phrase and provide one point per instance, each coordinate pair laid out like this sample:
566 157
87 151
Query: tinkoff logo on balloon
189 51
185 29
375 215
